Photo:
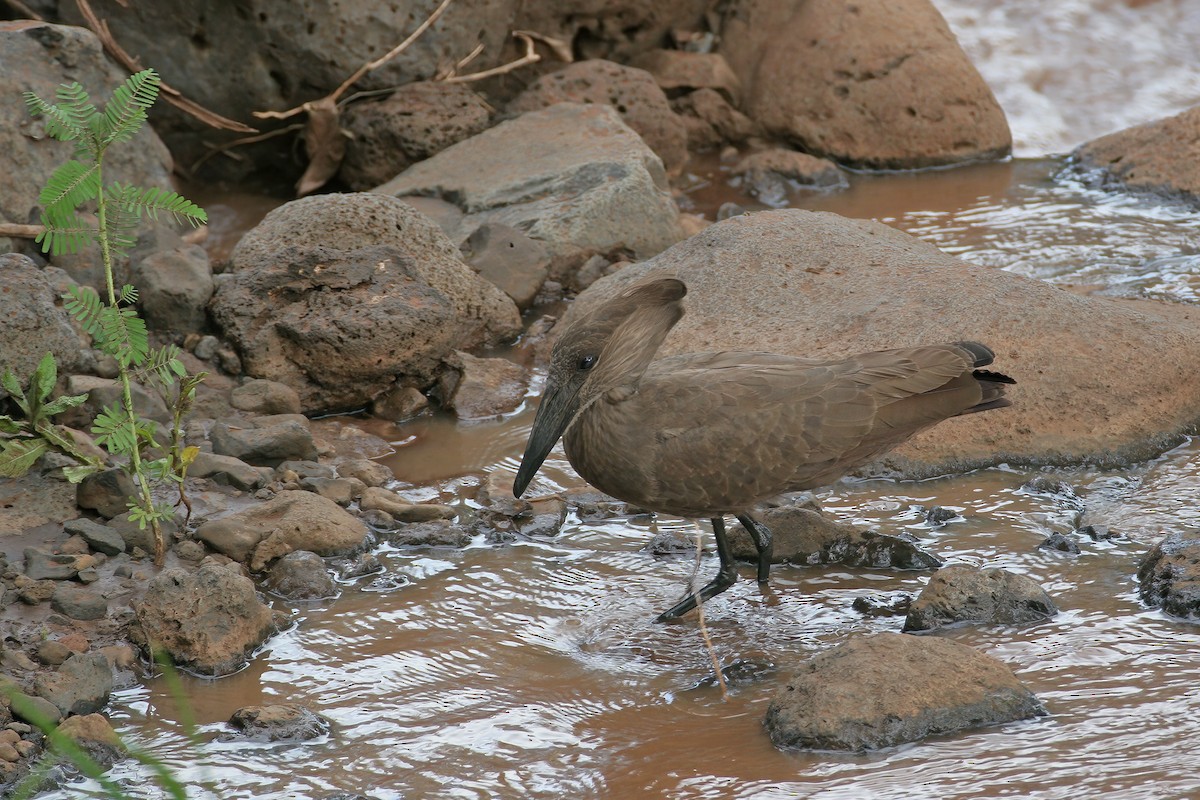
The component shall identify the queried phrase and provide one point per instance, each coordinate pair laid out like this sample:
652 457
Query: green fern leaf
129 294
78 473
65 403
125 113
13 386
44 377
59 123
154 201
18 455
76 104
84 305
71 185
125 332
111 428
10 426
59 238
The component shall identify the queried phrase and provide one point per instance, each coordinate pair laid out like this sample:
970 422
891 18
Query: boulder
573 176
265 445
803 535
174 287
292 520
37 57
229 471
301 576
1169 575
632 92
1160 157
769 174
340 295
80 685
416 121
32 321
487 387
875 85
94 734
258 396
823 286
962 593
208 620
885 690
509 259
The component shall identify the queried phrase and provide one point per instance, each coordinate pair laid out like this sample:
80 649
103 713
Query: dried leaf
325 144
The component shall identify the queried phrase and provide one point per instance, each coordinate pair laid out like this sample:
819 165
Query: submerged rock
880 691
301 576
962 593
1159 157
95 736
1169 576
284 722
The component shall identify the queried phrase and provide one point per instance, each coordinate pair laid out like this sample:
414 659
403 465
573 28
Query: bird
705 435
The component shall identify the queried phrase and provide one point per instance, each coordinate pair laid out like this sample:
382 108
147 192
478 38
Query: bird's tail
991 383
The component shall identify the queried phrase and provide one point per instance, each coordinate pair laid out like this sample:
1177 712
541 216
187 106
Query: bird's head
607 348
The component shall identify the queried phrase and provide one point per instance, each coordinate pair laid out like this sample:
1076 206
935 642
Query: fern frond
122 216
83 303
76 104
78 473
125 113
44 378
12 385
18 455
71 185
59 123
163 365
65 236
153 201
111 428
64 403
129 294
124 335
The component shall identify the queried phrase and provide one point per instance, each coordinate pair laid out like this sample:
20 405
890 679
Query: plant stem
135 460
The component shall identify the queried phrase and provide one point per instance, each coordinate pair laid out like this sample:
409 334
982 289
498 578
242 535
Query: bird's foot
763 543
725 578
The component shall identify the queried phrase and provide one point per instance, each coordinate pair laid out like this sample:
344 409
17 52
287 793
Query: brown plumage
710 434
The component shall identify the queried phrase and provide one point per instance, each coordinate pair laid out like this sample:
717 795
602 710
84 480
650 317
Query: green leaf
18 455
59 123
44 377
11 385
83 303
77 473
68 235
65 403
126 111
10 426
70 186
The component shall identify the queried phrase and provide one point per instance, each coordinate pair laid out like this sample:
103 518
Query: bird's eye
587 362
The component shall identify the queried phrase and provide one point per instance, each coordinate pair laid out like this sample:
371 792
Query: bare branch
24 10
18 231
531 57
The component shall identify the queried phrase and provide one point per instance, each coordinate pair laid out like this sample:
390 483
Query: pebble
52 652
8 752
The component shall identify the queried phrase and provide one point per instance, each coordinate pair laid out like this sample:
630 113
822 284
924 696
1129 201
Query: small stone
79 603
488 387
275 723
15 659
363 564
371 473
41 565
402 510
259 396
8 752
190 550
107 493
52 652
1061 542
437 533
264 446
399 403
32 592
546 517
301 575
962 593
34 710
670 543
75 545
939 515
339 490
10 736
123 571
100 538
96 736
1097 533
229 471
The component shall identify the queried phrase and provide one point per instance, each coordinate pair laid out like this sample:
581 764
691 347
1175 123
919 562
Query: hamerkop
710 434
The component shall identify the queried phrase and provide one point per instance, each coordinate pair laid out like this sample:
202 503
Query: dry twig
712 653
530 57
24 10
18 231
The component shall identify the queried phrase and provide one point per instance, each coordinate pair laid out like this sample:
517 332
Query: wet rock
285 722
877 85
436 533
880 691
769 175
592 504
1060 490
265 446
100 538
190 550
1061 542
174 287
399 403
41 565
803 535
107 493
670 543
570 175
360 565
633 92
1159 157
1098 533
32 323
95 736
33 709
341 295
883 605
711 121
230 471
544 518
305 469
371 473
509 259
496 495
292 520
1169 575
487 387
79 603
301 576
208 620
378 520
962 593
417 121
938 516
34 500
257 396
81 685
679 70
746 272
402 510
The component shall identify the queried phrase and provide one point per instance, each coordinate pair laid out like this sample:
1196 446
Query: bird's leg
762 543
725 577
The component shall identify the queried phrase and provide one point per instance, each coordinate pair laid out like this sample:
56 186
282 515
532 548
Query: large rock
880 691
340 295
877 85
821 285
290 521
962 593
416 122
634 93
208 621
570 175
174 287
32 321
1162 157
266 445
37 57
80 685
1169 576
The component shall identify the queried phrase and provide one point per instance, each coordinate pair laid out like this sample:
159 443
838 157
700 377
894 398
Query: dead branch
228 146
24 10
364 69
560 47
18 231
530 57
170 94
708 645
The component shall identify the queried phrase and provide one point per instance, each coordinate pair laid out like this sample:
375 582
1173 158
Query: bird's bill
553 416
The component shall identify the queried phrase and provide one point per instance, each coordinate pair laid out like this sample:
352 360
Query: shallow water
534 670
